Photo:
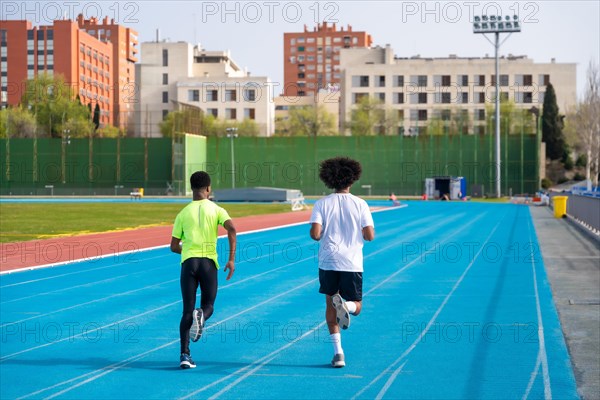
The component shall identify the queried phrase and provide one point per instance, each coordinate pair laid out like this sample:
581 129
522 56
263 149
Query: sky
568 31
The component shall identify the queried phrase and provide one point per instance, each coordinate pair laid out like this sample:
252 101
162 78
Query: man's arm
315 231
175 245
232 237
368 233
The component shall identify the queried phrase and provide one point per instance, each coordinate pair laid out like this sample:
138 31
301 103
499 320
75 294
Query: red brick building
311 58
124 57
88 61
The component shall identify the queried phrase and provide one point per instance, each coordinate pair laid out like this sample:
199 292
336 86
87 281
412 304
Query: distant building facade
311 59
86 58
419 89
124 56
174 74
329 99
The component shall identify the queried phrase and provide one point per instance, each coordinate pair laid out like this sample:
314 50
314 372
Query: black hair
340 172
199 180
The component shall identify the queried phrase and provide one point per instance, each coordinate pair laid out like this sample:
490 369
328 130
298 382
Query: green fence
83 166
390 163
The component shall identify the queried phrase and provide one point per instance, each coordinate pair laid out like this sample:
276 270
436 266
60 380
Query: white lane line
269 357
389 382
541 338
113 367
534 374
431 321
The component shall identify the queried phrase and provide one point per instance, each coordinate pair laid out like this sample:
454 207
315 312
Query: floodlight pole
497 113
496 26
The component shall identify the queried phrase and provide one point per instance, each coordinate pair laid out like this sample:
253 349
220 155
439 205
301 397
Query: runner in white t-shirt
341 222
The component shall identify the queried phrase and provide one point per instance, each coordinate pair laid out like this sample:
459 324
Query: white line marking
431 321
269 357
541 338
389 382
533 375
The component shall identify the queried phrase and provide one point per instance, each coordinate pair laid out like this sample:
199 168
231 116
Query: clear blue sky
568 31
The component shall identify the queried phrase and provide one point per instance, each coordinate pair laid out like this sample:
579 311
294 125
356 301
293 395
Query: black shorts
349 284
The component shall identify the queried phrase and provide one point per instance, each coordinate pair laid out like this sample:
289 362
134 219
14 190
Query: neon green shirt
196 225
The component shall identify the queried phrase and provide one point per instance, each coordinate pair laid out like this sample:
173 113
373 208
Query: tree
96 118
371 118
513 120
552 126
17 122
310 121
50 100
583 124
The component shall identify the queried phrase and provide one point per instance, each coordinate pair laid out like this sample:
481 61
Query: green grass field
20 222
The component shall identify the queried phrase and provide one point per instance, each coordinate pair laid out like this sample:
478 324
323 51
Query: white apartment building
173 74
421 89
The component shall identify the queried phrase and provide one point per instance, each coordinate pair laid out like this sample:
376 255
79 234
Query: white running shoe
197 324
342 314
338 361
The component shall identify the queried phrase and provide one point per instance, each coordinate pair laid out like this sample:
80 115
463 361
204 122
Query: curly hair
340 172
199 180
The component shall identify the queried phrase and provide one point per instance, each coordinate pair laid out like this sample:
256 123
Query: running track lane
32 253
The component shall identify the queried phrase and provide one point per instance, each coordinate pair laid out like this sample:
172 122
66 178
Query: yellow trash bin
560 206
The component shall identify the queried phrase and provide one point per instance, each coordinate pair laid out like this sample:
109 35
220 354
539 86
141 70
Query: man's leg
208 278
189 285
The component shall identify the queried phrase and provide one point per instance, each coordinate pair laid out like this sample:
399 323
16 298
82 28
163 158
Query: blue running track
457 305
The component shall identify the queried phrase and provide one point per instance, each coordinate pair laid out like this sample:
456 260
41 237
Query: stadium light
231 133
495 24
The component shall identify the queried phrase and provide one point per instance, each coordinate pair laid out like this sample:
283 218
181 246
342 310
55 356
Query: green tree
552 126
513 120
371 118
96 118
50 100
109 131
311 120
17 122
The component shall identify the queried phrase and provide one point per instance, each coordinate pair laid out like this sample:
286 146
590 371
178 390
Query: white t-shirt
342 216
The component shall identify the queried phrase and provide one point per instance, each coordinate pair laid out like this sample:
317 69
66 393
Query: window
422 80
40 35
422 98
213 111
480 114
445 80
230 95
544 80
463 80
164 114
480 79
250 94
481 97
165 57
527 80
541 97
360 81
400 115
212 95
165 97
230 113
380 96
503 80
300 48
445 115
527 97
503 96
422 115
398 98
165 79
445 98
380 80
249 113
399 80
194 95
358 96
464 98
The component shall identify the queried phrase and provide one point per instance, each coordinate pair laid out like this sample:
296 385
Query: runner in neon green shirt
195 238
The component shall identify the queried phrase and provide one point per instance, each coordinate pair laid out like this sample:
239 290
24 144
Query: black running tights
196 271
